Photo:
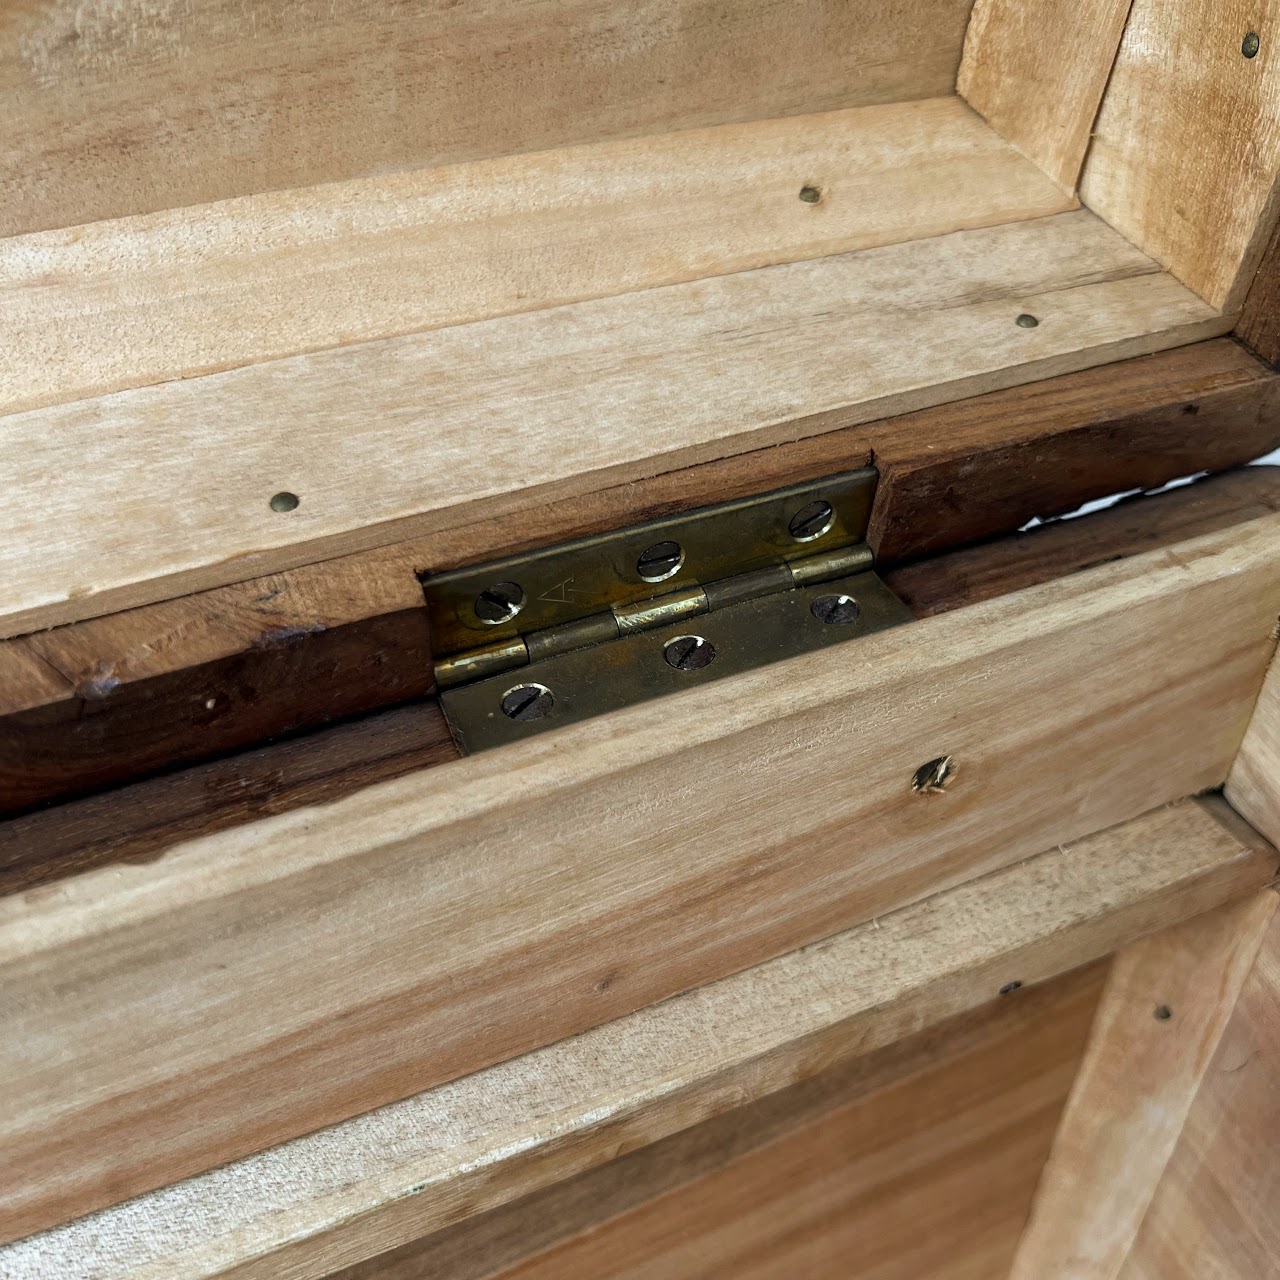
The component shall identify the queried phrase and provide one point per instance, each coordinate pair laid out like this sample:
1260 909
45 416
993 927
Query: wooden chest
551 722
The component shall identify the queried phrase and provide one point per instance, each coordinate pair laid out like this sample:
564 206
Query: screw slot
661 561
284 501
499 603
810 195
932 778
689 653
812 521
836 610
1026 321
1250 45
527 702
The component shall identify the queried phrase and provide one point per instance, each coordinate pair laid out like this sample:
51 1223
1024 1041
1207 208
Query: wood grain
533 892
1254 785
1036 70
114 111
114 698
137 823
1259 324
1135 1087
930 1176
1186 147
142 300
863 1005
382 441
1212 1212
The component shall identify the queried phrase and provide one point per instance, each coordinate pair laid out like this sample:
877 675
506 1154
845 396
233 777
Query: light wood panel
148 299
930 1176
114 110
496 903
462 1150
1165 1008
1186 149
1259 326
166 489
1213 1213
1254 785
1036 69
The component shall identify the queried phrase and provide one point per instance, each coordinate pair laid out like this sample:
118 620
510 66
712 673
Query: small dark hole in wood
810 195
1027 321
1009 987
1190 409
285 501
933 777
1250 45
1163 1013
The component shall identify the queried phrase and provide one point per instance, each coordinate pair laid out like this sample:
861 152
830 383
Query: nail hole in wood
810 195
1250 45
1026 321
1163 1013
284 501
1009 987
932 779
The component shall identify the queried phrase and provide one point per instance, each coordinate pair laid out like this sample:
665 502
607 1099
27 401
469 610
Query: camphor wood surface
137 823
429 896
456 1153
148 299
1259 324
123 109
1036 69
166 489
1186 149
110 699
930 1176
1212 1212
1167 1002
1254 785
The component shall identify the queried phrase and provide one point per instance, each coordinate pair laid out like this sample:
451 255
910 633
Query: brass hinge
554 636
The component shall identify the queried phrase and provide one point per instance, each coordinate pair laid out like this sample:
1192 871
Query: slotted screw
689 653
662 560
838 610
528 702
811 521
499 603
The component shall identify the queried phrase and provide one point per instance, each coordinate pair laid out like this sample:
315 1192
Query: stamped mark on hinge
563 593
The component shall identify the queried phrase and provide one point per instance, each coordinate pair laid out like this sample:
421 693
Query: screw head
528 702
810 195
499 603
284 501
811 521
689 653
1026 321
660 561
1250 45
836 610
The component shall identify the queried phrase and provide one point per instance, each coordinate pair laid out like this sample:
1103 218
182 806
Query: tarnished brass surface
600 575
590 681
